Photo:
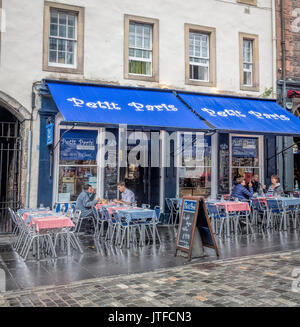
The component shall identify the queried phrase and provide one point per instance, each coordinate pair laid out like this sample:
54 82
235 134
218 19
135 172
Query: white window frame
142 49
248 62
52 64
56 165
200 57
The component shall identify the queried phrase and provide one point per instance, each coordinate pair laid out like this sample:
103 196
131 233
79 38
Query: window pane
71 179
62 30
61 57
247 51
131 52
139 53
53 44
139 42
147 43
146 54
70 46
139 29
52 56
199 73
139 67
53 17
70 58
71 32
62 45
247 78
53 29
131 40
131 28
62 18
71 20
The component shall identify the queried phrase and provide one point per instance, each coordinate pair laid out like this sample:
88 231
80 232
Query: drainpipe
28 168
29 147
274 51
283 68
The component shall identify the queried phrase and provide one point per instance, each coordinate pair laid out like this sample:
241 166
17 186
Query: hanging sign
78 145
49 134
244 147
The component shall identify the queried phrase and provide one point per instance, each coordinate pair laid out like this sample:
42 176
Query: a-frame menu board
193 218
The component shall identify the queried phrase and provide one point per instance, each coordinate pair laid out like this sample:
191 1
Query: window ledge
141 77
200 83
249 88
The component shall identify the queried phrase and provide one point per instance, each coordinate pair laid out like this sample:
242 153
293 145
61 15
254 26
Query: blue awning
115 106
243 115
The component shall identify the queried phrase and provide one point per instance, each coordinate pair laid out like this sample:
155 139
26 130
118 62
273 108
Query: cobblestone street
260 280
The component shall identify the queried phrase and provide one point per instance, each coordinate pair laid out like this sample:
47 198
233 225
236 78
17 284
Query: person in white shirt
128 197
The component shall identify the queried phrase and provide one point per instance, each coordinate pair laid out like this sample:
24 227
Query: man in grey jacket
86 201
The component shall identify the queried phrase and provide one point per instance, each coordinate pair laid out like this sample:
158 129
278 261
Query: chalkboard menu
193 218
187 223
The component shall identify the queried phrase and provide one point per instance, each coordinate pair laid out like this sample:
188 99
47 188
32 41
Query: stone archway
14 124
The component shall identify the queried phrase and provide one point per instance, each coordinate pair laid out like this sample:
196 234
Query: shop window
245 158
141 48
195 165
63 38
77 163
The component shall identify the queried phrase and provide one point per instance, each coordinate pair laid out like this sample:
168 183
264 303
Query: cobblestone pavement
261 280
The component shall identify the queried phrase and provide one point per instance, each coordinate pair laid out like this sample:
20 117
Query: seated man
85 201
240 191
127 195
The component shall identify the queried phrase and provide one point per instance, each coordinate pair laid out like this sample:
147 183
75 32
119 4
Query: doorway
143 180
10 146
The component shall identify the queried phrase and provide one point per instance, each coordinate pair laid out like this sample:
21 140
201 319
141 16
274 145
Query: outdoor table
27 216
52 222
139 214
286 202
233 206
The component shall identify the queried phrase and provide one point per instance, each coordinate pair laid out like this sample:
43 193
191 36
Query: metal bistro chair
126 229
259 209
111 227
275 214
80 220
100 220
43 241
16 228
217 217
170 207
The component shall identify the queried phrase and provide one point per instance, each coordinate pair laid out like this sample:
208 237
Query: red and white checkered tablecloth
51 222
234 206
31 213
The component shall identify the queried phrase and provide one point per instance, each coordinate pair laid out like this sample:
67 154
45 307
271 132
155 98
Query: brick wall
292 38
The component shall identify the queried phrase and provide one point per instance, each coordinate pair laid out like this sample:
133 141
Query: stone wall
292 38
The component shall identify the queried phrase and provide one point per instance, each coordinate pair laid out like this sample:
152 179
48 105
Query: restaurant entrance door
142 179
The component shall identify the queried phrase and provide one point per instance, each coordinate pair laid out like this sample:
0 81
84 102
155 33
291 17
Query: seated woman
240 191
275 189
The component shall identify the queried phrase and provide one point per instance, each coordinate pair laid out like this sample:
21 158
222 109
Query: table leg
284 219
68 242
154 230
228 224
128 234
